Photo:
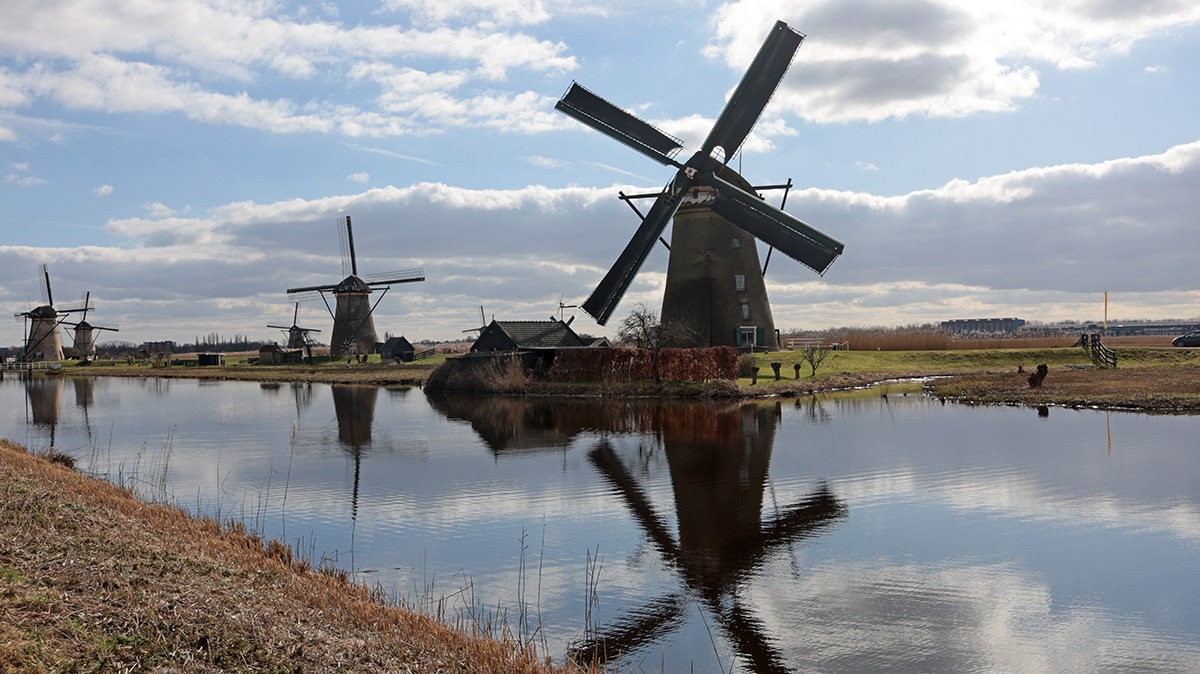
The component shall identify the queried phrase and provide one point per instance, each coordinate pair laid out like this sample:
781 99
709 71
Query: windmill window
737 243
739 281
745 311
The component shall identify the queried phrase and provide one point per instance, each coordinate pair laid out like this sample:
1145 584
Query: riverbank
91 579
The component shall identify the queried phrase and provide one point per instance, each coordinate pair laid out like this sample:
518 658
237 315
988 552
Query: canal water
879 531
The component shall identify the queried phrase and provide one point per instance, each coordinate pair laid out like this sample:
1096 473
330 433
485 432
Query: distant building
523 335
960 325
397 348
158 347
272 354
210 358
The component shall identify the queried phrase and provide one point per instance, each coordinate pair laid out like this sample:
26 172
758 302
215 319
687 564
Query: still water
838 534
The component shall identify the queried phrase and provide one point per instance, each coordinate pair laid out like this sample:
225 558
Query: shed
210 358
273 354
397 348
516 335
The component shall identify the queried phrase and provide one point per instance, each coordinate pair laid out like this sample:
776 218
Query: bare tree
815 354
641 328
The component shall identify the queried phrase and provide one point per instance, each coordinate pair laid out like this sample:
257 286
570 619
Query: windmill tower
85 333
41 335
715 287
353 327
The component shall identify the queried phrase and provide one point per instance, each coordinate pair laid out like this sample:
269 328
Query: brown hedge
628 364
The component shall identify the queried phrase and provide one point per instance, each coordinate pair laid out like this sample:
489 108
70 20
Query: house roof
394 343
538 334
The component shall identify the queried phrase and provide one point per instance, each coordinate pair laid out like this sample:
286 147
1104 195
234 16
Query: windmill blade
311 289
349 265
280 327
114 328
604 299
754 91
301 296
44 281
615 123
791 236
399 276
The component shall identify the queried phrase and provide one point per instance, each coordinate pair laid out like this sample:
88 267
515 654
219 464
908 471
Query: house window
745 311
739 281
737 243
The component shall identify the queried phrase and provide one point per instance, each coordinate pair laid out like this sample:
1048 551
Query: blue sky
187 161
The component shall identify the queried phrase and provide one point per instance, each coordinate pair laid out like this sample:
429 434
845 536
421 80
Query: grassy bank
93 580
324 369
1157 379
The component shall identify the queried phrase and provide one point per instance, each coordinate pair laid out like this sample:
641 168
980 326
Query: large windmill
41 333
715 288
85 333
353 327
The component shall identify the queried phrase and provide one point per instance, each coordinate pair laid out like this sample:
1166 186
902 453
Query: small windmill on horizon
297 337
85 337
353 326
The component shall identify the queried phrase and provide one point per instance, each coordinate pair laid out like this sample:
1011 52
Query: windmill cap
352 284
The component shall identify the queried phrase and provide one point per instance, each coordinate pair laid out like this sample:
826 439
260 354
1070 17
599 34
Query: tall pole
1106 312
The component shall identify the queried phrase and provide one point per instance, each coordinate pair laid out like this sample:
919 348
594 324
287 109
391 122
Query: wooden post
754 375
776 366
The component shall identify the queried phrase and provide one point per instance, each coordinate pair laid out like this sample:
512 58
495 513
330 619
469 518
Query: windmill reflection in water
719 459
718 456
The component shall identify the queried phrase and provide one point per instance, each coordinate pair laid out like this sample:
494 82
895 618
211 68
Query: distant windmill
482 323
41 333
715 287
85 338
353 327
297 336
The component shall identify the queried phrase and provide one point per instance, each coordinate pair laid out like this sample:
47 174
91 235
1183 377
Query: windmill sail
615 123
754 91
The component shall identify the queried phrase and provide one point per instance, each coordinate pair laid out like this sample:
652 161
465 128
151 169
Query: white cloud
23 181
7 135
206 60
866 166
1036 243
159 210
545 162
20 166
361 177
103 190
871 59
1156 69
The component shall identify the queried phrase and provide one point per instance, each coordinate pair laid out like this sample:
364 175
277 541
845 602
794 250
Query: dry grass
1163 389
92 580
479 375
913 338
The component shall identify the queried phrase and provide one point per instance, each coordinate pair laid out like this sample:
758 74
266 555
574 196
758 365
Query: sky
187 161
